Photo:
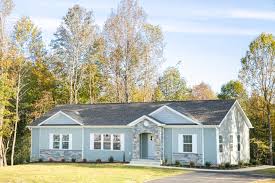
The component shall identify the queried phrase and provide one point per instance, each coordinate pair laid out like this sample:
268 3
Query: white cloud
252 14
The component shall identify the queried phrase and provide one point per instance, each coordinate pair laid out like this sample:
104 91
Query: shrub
177 163
63 160
221 166
84 160
40 160
111 159
73 160
227 165
50 160
259 151
208 164
191 164
165 161
124 157
98 161
241 164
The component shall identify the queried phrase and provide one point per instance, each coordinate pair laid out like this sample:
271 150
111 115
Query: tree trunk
270 135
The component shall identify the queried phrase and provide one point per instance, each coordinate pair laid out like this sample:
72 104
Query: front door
151 146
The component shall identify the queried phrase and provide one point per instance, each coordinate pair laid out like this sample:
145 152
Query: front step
145 162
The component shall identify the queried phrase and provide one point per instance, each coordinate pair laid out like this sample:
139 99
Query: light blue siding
60 119
76 136
168 144
210 145
35 143
170 117
93 155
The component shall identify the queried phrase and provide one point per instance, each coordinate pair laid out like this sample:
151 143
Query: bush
177 163
98 161
221 166
111 159
191 164
259 151
50 160
73 160
208 164
241 164
62 160
227 165
40 160
84 160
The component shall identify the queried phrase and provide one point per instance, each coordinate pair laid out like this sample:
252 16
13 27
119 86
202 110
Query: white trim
82 143
39 144
172 151
217 146
31 146
202 141
59 112
190 126
142 118
70 141
247 121
176 112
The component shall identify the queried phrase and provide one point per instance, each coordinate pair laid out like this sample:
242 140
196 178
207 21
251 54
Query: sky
208 37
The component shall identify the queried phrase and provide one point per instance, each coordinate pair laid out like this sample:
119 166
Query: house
215 131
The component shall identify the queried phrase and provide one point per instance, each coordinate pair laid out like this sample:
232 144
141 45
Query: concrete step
145 162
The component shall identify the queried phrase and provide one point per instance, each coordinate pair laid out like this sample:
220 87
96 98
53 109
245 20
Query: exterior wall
234 124
93 155
210 145
197 158
168 116
34 144
60 119
168 145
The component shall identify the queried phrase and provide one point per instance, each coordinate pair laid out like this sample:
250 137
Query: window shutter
180 143
92 141
194 143
70 141
50 141
122 141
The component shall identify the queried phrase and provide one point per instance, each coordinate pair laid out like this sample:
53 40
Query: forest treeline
119 62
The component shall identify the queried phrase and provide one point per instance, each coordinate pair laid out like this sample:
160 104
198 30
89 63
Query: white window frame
187 143
221 144
92 141
231 144
51 141
181 143
98 141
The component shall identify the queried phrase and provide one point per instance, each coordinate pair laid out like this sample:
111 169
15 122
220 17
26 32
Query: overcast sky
209 37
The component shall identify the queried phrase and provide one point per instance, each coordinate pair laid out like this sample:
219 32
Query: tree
232 90
73 43
133 47
172 85
258 73
202 91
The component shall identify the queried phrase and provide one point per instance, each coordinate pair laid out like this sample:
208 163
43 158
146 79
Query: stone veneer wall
185 158
58 155
158 137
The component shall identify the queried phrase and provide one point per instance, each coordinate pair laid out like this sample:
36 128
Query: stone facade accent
147 126
185 158
58 155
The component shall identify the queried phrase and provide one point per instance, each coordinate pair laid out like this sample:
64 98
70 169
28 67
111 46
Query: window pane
187 147
116 138
220 139
97 145
106 137
221 148
56 145
65 137
107 145
231 147
231 139
65 145
239 138
97 137
239 147
56 138
187 138
116 146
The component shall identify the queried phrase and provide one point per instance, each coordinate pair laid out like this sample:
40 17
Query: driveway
210 177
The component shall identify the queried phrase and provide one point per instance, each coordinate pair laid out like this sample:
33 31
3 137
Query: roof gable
168 115
60 118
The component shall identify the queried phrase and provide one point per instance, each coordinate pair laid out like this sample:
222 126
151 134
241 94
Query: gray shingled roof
208 112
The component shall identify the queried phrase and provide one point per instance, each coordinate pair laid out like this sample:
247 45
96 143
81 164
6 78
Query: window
239 142
187 143
231 142
106 141
56 141
220 143
97 141
116 142
60 141
65 141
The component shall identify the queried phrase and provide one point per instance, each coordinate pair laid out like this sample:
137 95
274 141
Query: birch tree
73 42
258 73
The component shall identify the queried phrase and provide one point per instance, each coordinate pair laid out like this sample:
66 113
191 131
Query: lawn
80 172
268 171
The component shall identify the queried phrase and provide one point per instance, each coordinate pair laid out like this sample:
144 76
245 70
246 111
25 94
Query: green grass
80 172
268 171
